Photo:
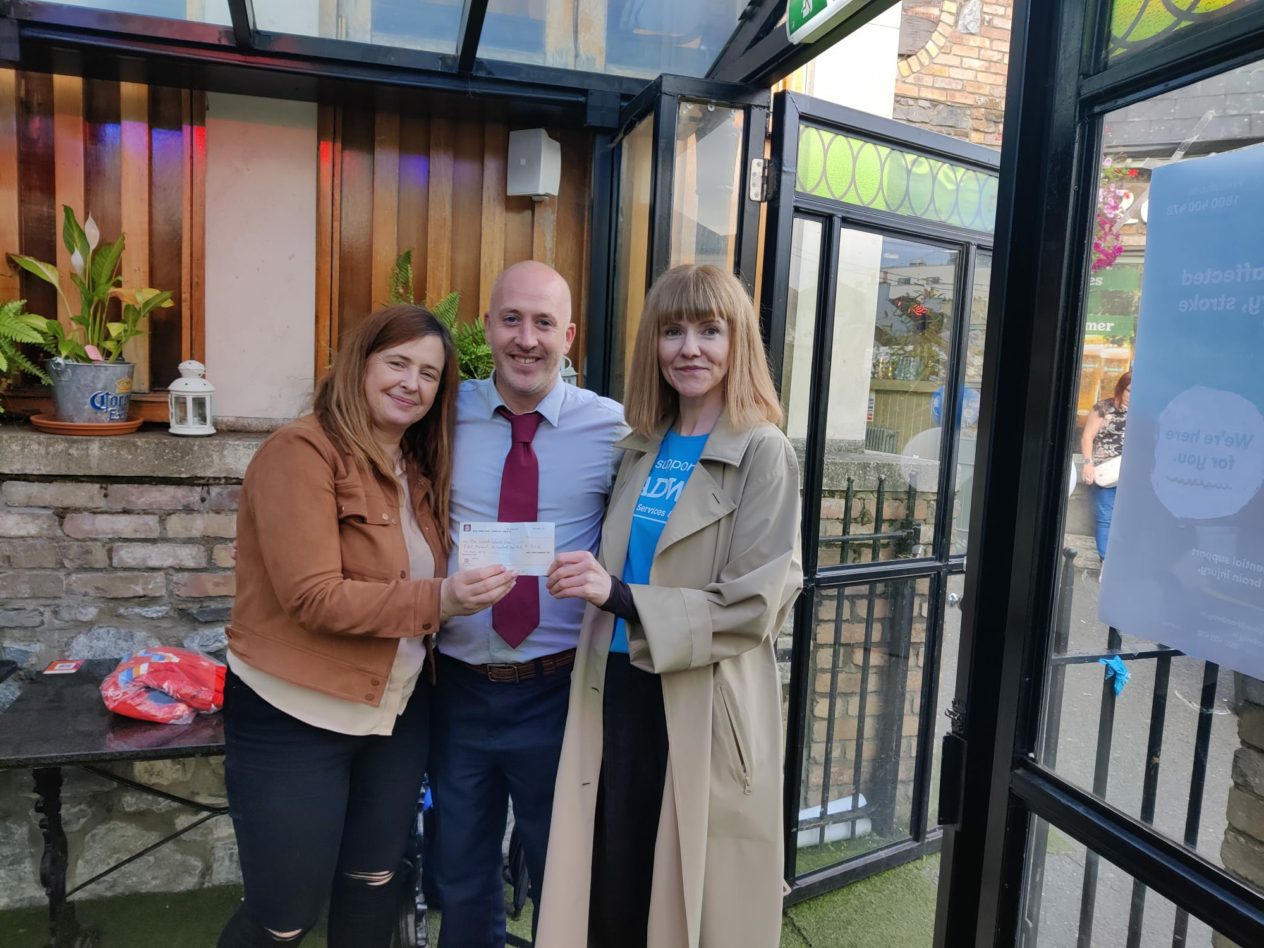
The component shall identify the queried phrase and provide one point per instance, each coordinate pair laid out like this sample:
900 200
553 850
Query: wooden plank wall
130 155
390 181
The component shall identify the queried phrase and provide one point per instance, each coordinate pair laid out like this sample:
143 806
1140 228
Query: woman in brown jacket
342 540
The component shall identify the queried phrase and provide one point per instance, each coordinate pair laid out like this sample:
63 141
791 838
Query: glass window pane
867 646
841 167
1177 746
198 11
882 438
1074 897
801 304
1139 24
626 37
632 247
705 189
968 393
430 25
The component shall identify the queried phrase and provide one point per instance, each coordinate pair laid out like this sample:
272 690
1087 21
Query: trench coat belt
514 672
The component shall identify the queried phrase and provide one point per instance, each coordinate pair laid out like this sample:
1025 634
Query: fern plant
474 355
17 328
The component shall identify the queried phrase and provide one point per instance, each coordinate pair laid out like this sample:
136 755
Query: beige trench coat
725 574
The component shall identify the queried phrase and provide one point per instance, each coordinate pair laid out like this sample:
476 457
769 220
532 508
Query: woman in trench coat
667 815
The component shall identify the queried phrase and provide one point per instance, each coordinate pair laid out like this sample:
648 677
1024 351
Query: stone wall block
85 555
107 641
222 556
1251 725
1248 770
31 584
83 526
202 585
145 612
202 525
28 523
223 498
76 612
163 773
207 640
118 585
52 494
177 870
21 618
157 555
154 497
1244 857
28 554
1246 813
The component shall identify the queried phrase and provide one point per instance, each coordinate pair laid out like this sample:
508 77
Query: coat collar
726 443
702 503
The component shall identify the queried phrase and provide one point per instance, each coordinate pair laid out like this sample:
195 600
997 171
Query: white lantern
189 401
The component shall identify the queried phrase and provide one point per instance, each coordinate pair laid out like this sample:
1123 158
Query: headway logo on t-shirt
662 489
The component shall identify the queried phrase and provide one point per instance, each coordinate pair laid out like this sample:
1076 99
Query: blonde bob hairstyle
693 294
343 411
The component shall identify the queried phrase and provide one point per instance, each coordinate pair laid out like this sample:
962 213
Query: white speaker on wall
535 164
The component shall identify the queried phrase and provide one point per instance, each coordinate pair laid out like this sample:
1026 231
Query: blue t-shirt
677 457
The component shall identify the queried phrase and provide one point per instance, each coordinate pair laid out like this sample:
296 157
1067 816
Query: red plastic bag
167 685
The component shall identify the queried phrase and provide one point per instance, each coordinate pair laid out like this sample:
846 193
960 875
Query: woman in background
1103 440
667 814
342 539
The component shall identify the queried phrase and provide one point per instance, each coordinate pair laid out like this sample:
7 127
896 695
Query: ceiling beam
772 58
473 13
243 15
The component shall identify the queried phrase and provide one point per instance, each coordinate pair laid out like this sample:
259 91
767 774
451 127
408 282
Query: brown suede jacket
322 590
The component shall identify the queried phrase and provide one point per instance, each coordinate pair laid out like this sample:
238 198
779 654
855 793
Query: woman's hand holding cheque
578 575
472 590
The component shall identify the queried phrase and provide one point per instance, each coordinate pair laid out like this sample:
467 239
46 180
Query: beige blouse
350 717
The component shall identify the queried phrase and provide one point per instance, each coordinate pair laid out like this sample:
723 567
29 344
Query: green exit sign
808 19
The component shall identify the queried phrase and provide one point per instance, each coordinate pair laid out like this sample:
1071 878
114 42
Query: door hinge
952 780
759 171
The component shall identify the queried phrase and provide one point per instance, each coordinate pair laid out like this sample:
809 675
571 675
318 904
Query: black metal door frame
836 217
1059 89
659 102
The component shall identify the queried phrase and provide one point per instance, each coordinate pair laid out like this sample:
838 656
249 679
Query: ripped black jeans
319 817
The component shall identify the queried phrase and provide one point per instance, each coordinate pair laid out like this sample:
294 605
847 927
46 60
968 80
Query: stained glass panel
1138 24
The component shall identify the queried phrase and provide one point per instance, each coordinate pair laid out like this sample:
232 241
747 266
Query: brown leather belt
514 672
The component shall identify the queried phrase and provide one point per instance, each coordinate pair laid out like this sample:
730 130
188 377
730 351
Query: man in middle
528 447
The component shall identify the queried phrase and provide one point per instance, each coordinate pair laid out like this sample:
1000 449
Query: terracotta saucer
53 426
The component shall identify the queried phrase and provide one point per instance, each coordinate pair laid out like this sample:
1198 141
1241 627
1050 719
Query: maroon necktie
516 616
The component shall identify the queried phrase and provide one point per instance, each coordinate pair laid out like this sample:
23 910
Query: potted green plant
90 379
18 328
472 351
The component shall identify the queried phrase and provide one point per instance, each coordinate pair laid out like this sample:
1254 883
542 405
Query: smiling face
694 359
400 383
529 329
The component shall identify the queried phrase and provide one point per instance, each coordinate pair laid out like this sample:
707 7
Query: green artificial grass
893 910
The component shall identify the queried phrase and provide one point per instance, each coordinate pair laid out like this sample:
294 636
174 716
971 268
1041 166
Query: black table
58 721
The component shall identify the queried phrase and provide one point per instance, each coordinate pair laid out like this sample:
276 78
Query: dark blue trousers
492 741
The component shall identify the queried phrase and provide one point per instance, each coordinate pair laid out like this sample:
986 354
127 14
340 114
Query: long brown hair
1121 386
343 411
694 293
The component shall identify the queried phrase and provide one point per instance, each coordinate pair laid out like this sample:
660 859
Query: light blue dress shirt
575 447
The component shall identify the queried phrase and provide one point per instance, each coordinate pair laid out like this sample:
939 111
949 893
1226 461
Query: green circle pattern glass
867 174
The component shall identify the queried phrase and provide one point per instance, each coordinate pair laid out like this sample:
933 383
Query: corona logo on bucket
116 405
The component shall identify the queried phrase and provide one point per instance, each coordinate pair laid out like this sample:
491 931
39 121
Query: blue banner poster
1185 564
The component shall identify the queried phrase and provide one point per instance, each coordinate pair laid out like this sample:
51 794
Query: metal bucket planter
88 392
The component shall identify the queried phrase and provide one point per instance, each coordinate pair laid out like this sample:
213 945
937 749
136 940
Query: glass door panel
632 243
1169 739
889 364
967 414
860 756
801 311
706 182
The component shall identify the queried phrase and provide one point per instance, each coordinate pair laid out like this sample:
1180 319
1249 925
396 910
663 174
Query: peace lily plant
95 275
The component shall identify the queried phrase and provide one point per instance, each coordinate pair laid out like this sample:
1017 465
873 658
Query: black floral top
1109 441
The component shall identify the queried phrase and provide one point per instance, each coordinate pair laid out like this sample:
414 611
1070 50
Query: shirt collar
550 407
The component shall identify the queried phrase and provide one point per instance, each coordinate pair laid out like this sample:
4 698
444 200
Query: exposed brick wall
954 83
91 567
1243 848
